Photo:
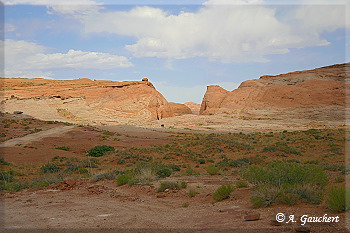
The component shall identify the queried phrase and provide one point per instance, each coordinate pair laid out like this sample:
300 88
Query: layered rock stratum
317 93
84 100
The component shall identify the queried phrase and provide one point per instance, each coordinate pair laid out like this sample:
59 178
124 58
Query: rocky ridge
301 91
84 100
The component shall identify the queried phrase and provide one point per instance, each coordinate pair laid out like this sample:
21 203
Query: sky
180 46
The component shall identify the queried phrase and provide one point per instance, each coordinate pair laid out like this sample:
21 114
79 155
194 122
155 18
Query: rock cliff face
311 89
179 109
84 99
194 107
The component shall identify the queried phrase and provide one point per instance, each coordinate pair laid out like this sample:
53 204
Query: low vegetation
277 167
99 151
223 192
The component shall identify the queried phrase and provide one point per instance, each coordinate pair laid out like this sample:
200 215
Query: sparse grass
50 168
338 199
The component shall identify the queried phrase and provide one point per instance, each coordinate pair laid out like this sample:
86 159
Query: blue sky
181 46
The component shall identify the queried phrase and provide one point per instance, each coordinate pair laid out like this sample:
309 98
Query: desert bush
62 148
265 195
307 192
50 168
99 151
168 185
241 184
110 175
339 179
6 176
212 170
163 172
289 199
123 179
3 162
280 172
192 193
338 198
190 172
133 182
223 192
183 184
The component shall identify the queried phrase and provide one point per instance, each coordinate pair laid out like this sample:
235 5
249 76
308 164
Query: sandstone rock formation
179 109
194 107
84 99
321 89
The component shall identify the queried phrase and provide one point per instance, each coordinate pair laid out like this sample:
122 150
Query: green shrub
133 182
241 184
168 185
183 184
280 172
339 179
190 172
3 162
50 168
110 175
192 193
62 148
212 170
265 195
99 151
289 199
6 176
163 172
201 161
223 192
123 179
338 199
307 192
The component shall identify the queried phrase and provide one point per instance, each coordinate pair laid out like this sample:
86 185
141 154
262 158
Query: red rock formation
179 109
86 99
316 88
194 107
212 99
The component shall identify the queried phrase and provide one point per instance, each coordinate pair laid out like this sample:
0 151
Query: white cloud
28 58
243 31
75 8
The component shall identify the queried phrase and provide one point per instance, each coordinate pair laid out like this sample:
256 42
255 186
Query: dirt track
35 136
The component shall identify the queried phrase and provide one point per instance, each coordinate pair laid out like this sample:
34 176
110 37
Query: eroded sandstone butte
194 107
315 93
179 109
84 99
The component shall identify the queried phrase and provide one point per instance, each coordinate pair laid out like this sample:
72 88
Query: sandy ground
104 206
81 206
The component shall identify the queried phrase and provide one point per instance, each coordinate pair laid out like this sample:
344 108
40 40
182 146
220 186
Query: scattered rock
161 195
252 216
145 79
96 189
